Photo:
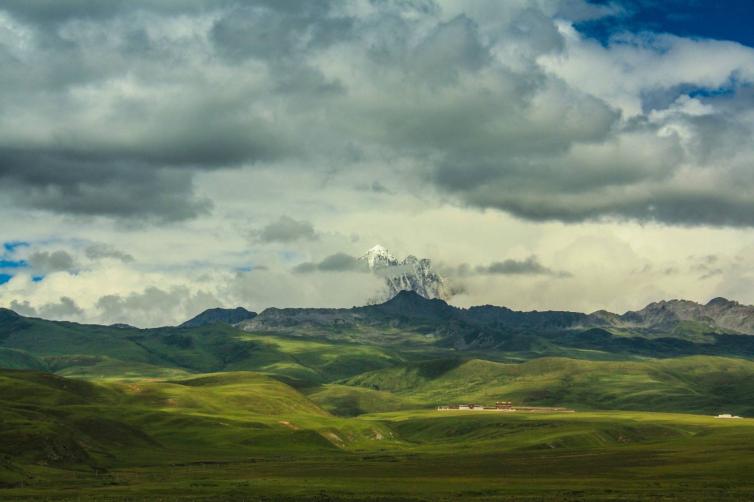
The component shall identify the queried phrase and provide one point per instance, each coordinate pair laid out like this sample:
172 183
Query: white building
726 415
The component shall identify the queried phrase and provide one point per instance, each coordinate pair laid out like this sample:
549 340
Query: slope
216 315
101 352
696 384
54 422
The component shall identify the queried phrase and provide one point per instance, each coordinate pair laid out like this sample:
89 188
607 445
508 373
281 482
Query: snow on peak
378 250
379 256
410 274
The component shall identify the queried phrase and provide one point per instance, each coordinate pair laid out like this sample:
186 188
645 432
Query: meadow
246 436
215 413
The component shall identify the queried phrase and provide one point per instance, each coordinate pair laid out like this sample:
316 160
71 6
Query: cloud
23 308
84 187
45 262
99 251
164 127
376 187
269 288
271 30
90 139
117 110
65 309
153 305
286 230
305 268
529 266
707 267
338 262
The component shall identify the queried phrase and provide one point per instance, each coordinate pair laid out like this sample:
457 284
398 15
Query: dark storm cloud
58 11
275 30
111 108
513 267
284 35
150 305
23 308
338 262
100 250
45 262
80 186
529 266
541 150
286 229
83 144
378 187
66 308
674 206
450 50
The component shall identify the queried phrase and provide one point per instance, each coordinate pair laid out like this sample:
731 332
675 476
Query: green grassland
101 352
698 384
246 436
213 413
348 378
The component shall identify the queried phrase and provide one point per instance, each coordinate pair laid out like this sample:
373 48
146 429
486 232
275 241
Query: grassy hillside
102 352
18 359
349 401
230 394
694 384
245 436
176 413
349 378
50 420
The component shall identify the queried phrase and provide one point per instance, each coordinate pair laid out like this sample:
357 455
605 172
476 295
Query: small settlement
503 406
727 416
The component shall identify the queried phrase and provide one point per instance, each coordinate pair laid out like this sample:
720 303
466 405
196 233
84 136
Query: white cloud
168 138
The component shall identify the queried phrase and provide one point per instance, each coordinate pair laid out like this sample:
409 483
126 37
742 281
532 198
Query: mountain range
312 345
674 317
232 391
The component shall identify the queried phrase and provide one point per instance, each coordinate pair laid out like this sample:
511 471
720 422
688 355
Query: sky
161 158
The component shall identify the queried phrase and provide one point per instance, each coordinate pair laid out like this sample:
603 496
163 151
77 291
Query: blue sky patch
715 19
5 278
13 263
11 246
662 97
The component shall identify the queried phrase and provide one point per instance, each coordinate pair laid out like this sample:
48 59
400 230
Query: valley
335 404
376 250
247 437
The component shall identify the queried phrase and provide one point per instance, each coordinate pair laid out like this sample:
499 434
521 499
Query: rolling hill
242 435
326 404
706 385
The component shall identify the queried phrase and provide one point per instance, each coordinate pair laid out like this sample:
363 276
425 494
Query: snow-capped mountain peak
378 257
410 274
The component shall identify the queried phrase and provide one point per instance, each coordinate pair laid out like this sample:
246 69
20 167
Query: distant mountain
719 314
212 316
370 336
409 274
661 329
408 307
412 305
